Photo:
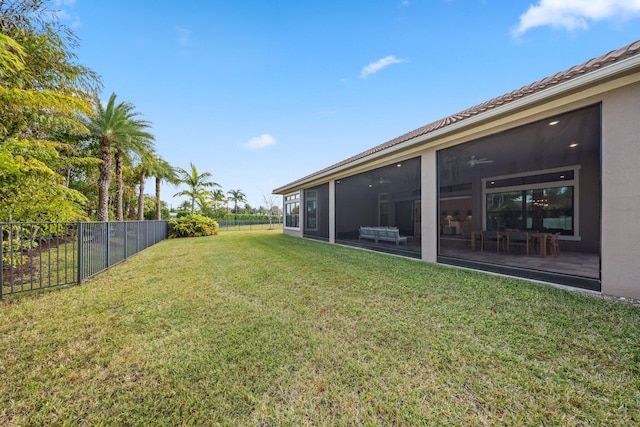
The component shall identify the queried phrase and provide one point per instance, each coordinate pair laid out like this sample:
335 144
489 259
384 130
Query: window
311 209
292 211
543 201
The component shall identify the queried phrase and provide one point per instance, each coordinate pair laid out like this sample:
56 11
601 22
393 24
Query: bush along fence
40 255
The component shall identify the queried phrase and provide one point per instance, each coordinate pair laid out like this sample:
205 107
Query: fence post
80 249
1 263
107 236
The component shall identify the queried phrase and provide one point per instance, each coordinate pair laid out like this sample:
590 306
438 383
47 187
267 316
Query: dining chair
490 237
553 246
518 238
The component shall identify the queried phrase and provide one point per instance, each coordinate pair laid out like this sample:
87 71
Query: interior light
573 145
370 185
399 165
493 182
561 176
553 123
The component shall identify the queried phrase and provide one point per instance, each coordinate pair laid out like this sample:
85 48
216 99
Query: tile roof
594 64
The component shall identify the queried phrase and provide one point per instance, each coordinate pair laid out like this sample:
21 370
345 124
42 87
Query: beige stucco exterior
621 192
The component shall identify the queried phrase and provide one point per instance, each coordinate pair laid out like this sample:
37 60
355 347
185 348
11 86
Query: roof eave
577 83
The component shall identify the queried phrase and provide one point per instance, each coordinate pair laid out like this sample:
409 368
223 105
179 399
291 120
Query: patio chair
553 246
518 238
491 237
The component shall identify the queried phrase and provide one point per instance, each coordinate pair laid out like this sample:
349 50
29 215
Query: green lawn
257 328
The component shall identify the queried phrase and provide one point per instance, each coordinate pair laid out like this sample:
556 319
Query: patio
571 263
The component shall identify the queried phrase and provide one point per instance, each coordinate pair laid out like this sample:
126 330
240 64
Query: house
557 160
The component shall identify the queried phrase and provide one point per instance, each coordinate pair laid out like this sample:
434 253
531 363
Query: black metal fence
49 254
260 224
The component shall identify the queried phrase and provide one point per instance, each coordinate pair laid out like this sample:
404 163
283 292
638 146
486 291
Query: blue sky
260 93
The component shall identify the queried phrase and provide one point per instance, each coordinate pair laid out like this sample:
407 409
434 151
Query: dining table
540 239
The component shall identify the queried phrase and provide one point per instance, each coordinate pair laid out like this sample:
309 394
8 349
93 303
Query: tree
217 197
270 207
115 124
236 196
140 145
147 161
44 100
197 183
161 170
185 206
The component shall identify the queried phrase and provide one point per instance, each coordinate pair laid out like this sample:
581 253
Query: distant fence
261 224
40 255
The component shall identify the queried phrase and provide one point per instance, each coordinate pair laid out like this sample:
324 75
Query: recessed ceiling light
561 176
553 123
573 145
399 165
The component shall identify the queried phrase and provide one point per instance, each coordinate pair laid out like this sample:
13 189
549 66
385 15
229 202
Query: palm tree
196 182
114 125
147 161
161 170
124 150
237 196
217 196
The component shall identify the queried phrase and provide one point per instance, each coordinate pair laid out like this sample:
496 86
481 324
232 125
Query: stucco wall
621 192
429 190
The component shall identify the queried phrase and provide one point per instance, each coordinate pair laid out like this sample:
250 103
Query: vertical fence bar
80 248
12 261
107 246
40 261
1 259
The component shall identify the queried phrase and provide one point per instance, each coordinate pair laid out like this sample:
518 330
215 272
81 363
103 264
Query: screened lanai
381 209
526 199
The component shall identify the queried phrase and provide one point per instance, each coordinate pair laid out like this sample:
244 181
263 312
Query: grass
258 328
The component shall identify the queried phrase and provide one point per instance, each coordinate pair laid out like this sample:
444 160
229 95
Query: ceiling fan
477 161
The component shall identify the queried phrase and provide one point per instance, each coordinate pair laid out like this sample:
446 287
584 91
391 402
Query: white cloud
184 35
575 14
62 15
374 67
259 142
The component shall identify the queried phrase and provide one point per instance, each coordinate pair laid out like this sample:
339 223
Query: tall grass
257 328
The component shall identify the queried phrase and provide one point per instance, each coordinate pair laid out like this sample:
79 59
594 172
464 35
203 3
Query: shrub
192 226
